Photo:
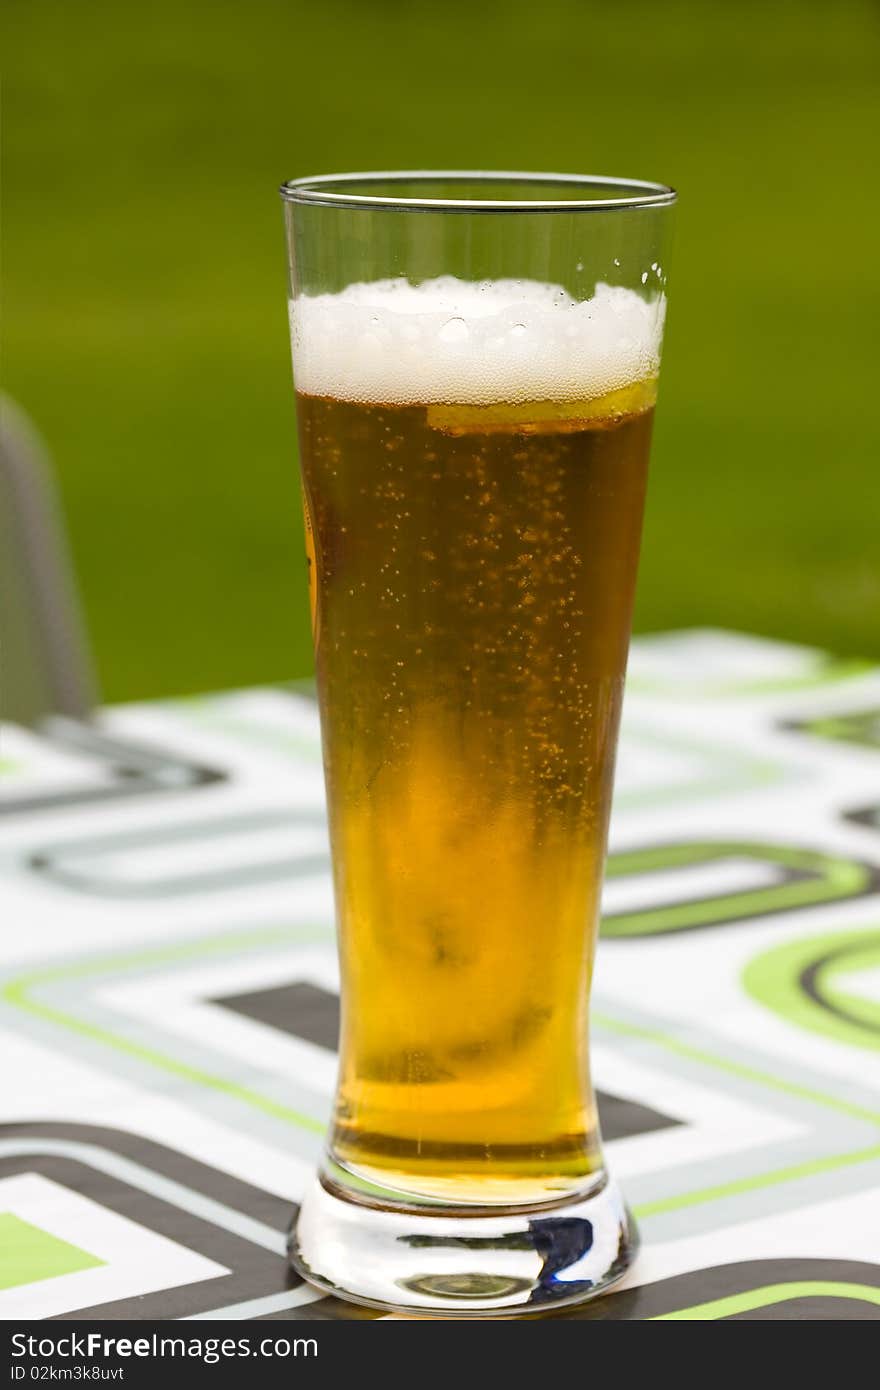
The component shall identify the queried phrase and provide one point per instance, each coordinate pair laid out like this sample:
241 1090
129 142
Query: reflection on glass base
466 1263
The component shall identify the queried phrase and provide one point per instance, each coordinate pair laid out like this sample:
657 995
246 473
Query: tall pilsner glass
475 359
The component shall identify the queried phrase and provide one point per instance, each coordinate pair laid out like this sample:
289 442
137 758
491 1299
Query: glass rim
334 190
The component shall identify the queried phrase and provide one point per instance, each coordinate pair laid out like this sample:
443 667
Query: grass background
145 322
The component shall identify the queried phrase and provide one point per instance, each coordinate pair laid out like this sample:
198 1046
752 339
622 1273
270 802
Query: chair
45 662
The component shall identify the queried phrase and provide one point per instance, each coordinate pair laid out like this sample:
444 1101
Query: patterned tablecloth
168 996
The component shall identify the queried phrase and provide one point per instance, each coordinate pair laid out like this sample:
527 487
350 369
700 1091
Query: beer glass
475 360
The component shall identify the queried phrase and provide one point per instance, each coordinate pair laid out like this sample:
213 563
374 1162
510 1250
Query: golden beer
472 564
475 357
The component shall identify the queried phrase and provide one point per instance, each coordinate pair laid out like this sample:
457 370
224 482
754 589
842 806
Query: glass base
463 1263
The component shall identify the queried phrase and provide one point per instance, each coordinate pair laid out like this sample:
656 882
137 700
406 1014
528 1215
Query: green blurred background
145 286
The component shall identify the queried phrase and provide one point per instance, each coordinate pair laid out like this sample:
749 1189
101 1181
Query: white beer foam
472 343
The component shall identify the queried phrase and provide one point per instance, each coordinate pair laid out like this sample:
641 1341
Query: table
168 996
